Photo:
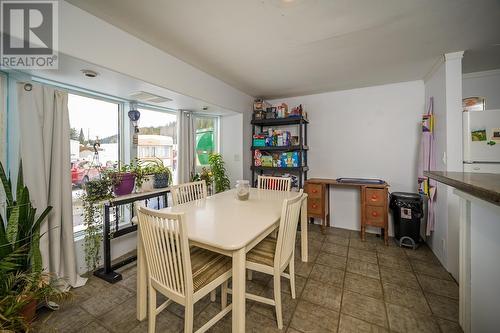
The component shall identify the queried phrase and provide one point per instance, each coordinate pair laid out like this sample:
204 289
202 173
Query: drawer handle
314 191
374 197
314 206
374 214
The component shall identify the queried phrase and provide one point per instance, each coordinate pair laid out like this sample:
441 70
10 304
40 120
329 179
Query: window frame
216 118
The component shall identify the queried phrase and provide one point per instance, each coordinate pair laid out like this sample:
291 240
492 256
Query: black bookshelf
302 148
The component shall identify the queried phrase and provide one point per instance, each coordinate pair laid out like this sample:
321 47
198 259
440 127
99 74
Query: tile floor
348 286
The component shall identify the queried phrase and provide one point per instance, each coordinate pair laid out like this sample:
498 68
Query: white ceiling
119 85
278 48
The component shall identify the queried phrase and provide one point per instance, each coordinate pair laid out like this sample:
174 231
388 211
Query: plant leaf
6 186
20 180
12 225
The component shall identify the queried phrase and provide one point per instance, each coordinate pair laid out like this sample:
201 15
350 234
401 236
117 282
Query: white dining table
224 224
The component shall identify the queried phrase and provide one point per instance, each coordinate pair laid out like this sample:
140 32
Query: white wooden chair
188 192
274 183
272 256
183 274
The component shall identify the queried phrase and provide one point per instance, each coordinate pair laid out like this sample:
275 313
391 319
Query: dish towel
427 162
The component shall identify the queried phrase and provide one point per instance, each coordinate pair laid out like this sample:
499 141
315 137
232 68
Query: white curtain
186 136
45 153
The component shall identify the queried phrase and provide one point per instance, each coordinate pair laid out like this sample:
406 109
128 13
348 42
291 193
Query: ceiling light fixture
89 73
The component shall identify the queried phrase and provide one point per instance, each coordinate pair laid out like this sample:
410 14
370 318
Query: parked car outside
82 172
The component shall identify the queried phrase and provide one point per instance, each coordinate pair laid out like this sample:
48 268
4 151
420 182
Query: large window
157 138
94 143
206 129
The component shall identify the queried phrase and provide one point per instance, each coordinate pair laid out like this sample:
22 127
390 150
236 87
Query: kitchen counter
479 248
485 186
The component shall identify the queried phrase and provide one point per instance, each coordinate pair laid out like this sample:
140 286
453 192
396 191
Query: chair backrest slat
290 215
166 248
188 192
274 183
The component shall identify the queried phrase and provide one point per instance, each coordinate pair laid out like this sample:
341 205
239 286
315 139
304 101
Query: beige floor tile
210 311
410 298
363 285
391 250
331 260
292 330
303 268
121 318
434 270
449 326
438 286
312 318
338 232
363 307
363 255
396 262
350 324
363 268
362 245
165 323
69 320
328 275
322 294
93 327
288 307
404 279
300 283
443 307
106 300
405 320
423 253
333 248
337 240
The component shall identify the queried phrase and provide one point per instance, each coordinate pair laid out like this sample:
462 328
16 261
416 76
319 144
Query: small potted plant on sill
144 175
122 179
162 176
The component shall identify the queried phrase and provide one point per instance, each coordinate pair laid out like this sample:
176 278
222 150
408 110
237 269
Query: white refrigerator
481 141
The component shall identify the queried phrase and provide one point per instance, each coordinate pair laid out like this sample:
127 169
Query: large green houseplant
22 282
219 173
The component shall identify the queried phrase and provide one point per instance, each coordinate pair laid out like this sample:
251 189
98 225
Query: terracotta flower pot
29 310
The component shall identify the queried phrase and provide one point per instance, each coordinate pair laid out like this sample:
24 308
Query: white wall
483 84
444 83
231 141
369 132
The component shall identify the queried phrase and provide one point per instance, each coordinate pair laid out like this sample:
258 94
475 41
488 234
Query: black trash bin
407 212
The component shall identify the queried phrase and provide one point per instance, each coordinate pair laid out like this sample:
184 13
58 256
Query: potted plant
23 284
162 176
123 179
95 191
205 175
219 173
144 175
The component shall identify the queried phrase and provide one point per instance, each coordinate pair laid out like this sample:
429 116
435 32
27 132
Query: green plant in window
95 192
219 173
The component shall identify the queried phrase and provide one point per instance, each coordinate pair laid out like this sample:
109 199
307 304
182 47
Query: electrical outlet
443 245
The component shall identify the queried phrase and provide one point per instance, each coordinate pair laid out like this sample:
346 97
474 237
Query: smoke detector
149 97
89 73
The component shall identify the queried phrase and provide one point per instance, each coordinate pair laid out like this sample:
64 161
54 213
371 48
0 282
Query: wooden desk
374 203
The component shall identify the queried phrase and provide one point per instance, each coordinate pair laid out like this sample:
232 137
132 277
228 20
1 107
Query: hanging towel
427 162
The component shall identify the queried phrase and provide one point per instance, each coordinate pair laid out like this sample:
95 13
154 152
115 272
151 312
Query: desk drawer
314 205
375 215
314 190
375 197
